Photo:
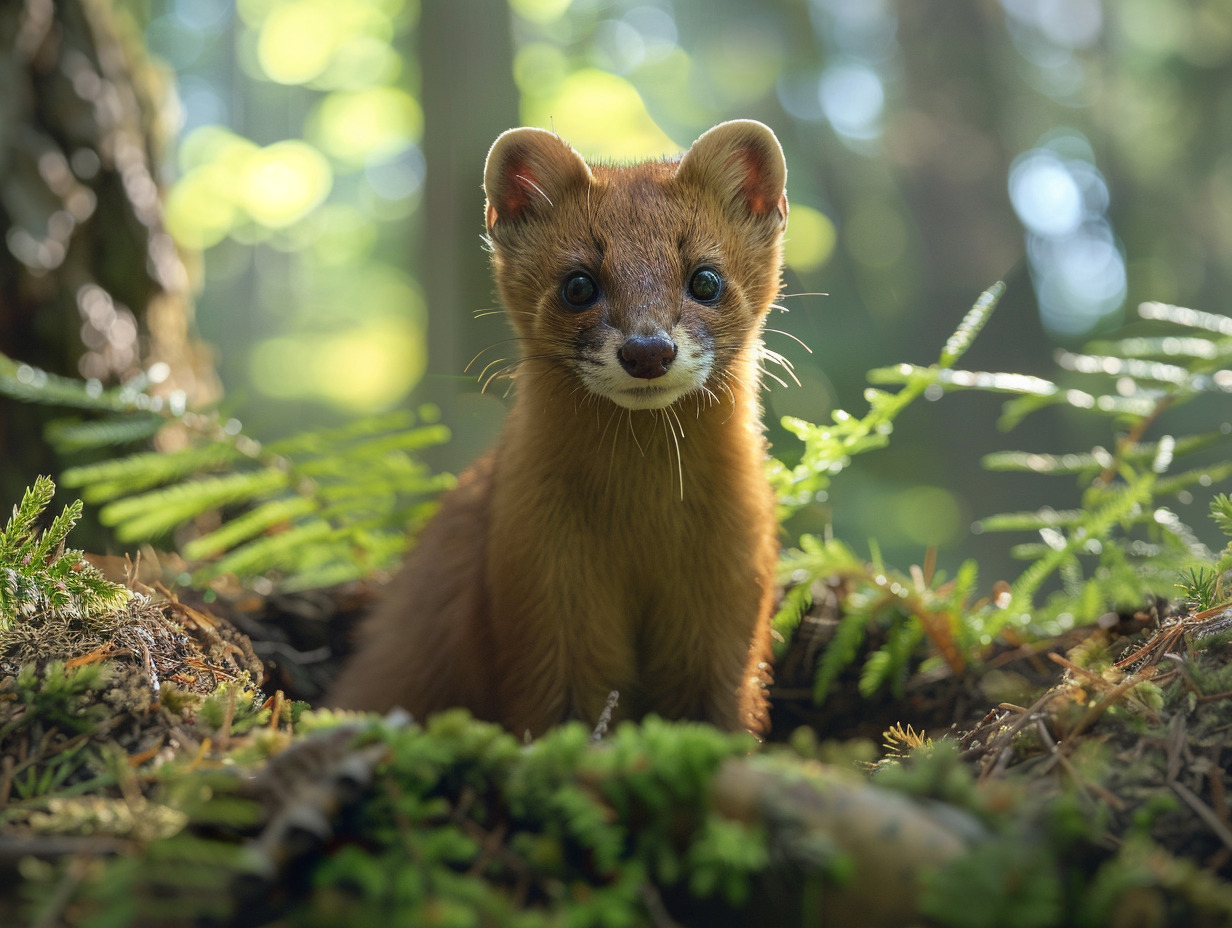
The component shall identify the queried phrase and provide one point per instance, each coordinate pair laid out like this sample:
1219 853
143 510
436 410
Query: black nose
647 356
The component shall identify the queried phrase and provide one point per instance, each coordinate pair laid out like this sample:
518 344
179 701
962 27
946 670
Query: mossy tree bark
90 284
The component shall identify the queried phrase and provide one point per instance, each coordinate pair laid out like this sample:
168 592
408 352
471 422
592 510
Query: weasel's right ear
526 168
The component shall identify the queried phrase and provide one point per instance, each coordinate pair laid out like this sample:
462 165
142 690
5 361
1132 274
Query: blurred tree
90 284
466 56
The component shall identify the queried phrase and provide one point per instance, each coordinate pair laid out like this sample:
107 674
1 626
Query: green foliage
1126 542
319 508
38 576
1124 545
50 716
1004 884
1200 587
467 826
828 449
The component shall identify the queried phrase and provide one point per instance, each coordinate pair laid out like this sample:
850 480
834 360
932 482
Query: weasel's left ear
743 161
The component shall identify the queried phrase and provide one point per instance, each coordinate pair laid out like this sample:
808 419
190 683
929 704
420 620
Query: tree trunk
466 54
90 284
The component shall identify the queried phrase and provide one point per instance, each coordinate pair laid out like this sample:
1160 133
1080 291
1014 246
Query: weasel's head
646 282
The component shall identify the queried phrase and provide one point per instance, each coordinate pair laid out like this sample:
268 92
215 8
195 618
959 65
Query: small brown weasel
621 535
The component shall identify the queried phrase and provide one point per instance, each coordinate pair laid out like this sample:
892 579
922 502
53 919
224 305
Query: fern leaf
55 533
69 435
1032 462
796 602
108 480
323 440
1164 346
36 577
33 385
1116 506
272 551
841 653
377 446
159 511
958 343
950 380
1199 476
874 673
1190 318
1032 521
1136 368
1221 512
247 526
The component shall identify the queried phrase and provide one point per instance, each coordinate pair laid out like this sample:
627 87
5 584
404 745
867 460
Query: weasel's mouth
651 396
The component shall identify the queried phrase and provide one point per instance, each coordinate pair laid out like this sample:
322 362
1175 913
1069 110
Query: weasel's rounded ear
743 162
526 168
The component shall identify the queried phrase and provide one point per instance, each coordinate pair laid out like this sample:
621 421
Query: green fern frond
1184 316
245 527
1124 544
1200 586
1116 507
1211 475
272 550
873 675
327 503
151 514
108 480
72 435
20 528
958 343
842 651
1046 518
828 449
797 600
1221 512
1163 346
30 384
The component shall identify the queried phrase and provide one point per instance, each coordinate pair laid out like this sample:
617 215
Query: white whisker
792 337
633 432
677 433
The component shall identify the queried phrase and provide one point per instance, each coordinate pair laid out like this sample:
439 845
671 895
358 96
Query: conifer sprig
38 575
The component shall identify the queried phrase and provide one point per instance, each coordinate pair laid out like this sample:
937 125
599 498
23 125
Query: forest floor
1133 715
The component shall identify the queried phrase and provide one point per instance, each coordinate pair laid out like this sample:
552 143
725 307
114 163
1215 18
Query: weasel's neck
695 448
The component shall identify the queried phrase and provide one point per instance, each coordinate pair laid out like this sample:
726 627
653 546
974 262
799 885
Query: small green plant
909 608
38 575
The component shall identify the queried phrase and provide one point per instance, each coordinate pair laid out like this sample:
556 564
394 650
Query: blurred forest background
322 165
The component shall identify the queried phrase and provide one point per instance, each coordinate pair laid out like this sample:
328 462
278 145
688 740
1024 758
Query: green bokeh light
284 182
540 11
810 239
926 515
601 114
355 126
229 181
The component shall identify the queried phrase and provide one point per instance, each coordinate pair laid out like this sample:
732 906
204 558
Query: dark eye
580 291
705 285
